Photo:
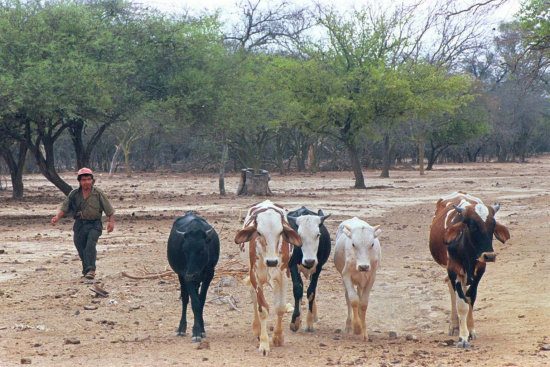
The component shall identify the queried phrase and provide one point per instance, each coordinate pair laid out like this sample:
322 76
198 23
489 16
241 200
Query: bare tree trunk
222 167
126 152
113 161
386 157
421 157
16 168
357 170
46 165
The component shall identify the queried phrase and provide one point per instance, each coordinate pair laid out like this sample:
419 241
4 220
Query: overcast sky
230 9
506 11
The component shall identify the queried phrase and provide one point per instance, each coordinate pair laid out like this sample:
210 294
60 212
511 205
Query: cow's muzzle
309 263
489 257
363 267
272 263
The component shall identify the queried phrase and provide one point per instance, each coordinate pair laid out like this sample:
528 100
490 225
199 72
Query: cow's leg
311 293
354 303
193 289
363 305
202 298
279 303
298 291
462 307
348 319
471 295
184 301
261 314
256 326
453 321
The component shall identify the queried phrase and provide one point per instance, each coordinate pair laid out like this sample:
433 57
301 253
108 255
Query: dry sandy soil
45 305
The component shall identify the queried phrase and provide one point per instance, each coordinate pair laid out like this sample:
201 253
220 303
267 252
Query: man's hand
56 218
111 224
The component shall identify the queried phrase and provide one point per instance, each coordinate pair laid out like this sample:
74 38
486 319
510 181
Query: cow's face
362 245
479 221
267 233
309 231
194 247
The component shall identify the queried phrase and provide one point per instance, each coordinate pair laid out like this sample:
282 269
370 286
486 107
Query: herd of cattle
276 244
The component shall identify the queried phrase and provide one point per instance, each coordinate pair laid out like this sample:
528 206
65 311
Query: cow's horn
496 207
180 232
209 231
323 217
459 209
376 228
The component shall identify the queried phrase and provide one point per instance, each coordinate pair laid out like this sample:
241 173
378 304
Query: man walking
86 204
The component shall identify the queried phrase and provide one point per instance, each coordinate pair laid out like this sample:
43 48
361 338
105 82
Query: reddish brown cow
461 239
266 243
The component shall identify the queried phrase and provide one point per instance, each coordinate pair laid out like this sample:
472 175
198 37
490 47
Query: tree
436 96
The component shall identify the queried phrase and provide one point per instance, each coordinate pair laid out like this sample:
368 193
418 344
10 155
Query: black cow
193 252
461 240
307 259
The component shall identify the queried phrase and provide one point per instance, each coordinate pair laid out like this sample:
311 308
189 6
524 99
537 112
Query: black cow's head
476 227
195 248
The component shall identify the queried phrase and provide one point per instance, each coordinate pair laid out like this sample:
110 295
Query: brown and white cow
266 244
461 240
357 254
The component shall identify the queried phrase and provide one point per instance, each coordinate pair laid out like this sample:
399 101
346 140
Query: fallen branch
165 274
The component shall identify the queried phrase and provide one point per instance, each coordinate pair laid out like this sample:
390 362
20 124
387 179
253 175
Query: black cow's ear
501 233
323 217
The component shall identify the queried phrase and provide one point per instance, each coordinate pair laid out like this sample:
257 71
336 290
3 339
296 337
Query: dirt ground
50 317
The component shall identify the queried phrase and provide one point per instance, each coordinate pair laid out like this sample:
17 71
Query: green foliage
534 18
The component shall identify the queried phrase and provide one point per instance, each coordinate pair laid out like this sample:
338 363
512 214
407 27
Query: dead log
254 183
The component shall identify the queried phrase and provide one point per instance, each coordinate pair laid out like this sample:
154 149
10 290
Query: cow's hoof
264 348
473 335
309 329
295 326
463 344
278 340
181 333
196 339
203 334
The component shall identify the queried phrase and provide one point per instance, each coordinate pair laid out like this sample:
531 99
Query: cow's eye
259 234
353 244
318 235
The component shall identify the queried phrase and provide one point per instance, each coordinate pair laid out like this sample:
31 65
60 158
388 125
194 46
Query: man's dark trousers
86 234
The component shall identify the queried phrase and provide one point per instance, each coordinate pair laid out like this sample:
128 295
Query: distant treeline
109 84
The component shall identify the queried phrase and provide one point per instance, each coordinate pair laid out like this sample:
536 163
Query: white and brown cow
461 240
266 244
357 254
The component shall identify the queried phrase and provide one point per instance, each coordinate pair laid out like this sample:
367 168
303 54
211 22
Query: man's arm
111 224
58 216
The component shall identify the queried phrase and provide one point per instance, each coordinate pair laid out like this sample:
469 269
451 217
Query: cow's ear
452 232
245 234
502 233
377 231
291 235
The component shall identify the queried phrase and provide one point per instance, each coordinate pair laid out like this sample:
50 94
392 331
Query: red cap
84 171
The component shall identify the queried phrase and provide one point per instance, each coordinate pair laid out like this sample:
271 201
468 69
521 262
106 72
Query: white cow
266 244
357 255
